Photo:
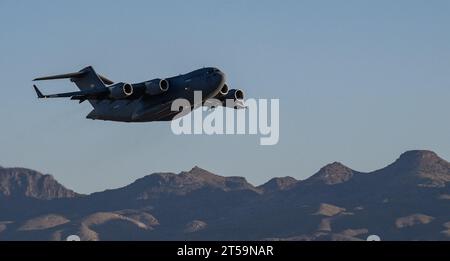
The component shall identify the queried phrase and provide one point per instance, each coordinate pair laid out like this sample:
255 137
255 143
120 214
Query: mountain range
407 200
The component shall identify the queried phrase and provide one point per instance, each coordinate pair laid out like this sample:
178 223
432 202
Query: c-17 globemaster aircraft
145 101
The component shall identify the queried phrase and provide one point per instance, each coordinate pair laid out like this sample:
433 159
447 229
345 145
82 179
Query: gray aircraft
146 101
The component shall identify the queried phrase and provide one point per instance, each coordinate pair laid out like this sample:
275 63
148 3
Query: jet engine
157 86
120 91
223 91
234 94
237 97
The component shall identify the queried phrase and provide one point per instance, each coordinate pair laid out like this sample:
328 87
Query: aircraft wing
154 112
95 93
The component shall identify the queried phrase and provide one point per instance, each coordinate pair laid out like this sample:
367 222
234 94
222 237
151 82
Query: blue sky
358 81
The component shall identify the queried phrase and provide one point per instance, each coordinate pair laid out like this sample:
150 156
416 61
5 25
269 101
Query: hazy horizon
359 82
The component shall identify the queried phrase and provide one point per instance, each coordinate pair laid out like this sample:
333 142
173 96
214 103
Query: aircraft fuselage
157 107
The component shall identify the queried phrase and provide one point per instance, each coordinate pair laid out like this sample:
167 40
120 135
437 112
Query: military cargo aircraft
145 101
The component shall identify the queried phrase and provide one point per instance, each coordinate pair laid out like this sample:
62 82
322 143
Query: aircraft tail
38 92
85 79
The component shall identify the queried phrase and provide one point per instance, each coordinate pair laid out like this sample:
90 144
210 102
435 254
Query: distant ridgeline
407 200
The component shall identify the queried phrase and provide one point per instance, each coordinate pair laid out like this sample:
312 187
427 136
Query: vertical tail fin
89 79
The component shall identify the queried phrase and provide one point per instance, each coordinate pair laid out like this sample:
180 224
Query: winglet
38 92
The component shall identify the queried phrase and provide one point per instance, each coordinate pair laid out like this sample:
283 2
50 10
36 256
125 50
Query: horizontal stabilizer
62 76
79 95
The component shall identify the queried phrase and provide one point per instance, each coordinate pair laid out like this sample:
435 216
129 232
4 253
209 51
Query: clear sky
359 82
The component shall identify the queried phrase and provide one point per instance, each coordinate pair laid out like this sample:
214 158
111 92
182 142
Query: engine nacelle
120 91
156 86
234 94
237 96
223 91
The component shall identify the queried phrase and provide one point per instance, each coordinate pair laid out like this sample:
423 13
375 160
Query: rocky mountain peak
277 184
21 182
202 175
186 182
423 165
418 157
333 173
